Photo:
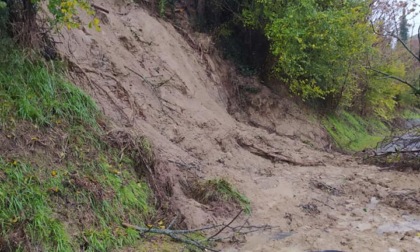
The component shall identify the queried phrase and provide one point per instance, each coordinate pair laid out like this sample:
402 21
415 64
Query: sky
416 20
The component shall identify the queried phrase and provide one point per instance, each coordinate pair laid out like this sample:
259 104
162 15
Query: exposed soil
149 79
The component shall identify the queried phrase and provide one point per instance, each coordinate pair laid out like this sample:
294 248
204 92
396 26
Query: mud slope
151 80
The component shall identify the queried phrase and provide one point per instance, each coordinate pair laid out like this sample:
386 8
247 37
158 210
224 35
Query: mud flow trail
152 79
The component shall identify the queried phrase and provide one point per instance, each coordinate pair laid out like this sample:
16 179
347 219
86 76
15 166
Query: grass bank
64 184
351 132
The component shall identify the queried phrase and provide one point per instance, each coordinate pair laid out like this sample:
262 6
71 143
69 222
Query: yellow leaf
160 222
418 234
53 189
149 225
162 227
14 163
15 219
115 171
54 173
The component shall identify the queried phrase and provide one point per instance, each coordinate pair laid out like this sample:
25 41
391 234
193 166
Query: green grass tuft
33 89
219 190
354 133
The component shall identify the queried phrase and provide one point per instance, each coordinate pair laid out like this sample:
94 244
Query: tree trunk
22 22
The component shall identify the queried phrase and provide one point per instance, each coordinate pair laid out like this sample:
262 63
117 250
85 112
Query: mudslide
153 79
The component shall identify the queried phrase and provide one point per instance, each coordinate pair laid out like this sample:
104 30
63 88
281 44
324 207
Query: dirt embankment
152 79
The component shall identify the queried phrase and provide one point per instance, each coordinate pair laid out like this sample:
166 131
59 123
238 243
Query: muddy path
151 79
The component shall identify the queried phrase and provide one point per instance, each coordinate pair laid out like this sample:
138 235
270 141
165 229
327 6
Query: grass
354 133
74 191
41 202
24 203
34 90
215 190
411 114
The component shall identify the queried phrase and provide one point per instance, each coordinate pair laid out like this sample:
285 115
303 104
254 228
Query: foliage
33 89
162 6
382 93
22 24
65 11
354 133
317 44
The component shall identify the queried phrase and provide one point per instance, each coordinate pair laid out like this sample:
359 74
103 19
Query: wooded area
356 55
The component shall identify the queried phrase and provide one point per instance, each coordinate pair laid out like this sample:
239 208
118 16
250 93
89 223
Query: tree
404 27
22 15
318 45
384 24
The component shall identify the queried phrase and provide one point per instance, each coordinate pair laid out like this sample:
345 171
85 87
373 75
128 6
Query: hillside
153 79
149 80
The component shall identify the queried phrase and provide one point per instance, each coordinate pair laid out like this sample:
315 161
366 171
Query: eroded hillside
154 79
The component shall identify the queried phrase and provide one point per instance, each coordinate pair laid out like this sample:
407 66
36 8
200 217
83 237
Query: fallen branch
218 232
172 222
397 152
141 76
100 8
173 234
169 231
274 156
325 204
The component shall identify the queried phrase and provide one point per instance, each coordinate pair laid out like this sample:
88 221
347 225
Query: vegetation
74 189
316 44
353 133
335 55
324 51
34 90
217 190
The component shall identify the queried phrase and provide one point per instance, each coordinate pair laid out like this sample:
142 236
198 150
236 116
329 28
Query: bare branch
173 234
167 231
415 89
218 232
399 40
406 47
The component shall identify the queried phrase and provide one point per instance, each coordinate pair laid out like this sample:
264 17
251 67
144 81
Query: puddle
281 235
410 223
